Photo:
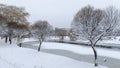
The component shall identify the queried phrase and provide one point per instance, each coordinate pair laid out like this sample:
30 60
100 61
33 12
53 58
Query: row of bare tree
13 24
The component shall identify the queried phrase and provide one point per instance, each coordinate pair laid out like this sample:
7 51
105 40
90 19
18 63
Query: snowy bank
16 57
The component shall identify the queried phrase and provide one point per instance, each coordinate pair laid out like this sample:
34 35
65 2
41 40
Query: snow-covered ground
80 49
115 40
29 40
12 56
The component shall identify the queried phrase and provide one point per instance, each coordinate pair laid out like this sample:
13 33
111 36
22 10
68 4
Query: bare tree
61 33
8 15
95 23
40 30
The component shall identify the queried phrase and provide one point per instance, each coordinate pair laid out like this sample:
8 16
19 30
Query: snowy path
111 62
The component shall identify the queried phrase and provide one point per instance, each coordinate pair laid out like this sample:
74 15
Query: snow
12 56
85 50
29 40
81 49
111 41
114 41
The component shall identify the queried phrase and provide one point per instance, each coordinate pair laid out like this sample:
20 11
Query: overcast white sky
58 13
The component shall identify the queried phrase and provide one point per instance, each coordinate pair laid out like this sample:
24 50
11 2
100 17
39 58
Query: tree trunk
95 55
18 40
39 47
10 39
20 44
62 38
6 39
